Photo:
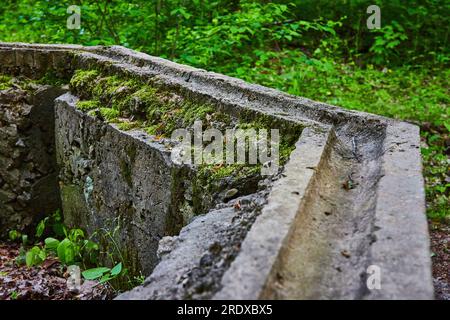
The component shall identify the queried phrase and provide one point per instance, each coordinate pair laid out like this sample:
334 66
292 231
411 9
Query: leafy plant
103 273
35 256
71 248
14 235
387 42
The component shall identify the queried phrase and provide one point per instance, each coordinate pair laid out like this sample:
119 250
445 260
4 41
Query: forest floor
45 282
440 257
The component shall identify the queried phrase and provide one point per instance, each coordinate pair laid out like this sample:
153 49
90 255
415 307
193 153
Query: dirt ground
440 256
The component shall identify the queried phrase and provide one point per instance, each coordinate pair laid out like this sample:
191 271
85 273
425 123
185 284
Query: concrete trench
351 195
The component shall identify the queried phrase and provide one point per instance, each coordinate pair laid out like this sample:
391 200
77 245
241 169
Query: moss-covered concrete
131 103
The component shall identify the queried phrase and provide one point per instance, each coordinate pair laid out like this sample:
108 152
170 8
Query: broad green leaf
34 256
94 273
116 270
90 245
69 254
14 235
105 277
65 251
51 243
29 258
41 227
42 255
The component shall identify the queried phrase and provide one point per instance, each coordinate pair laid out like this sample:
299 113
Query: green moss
237 171
5 82
161 112
83 77
50 78
109 114
127 125
152 130
87 105
289 132
192 112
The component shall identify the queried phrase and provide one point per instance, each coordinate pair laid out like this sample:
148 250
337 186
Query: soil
45 282
440 256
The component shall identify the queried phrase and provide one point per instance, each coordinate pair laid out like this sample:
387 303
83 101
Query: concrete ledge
253 269
352 195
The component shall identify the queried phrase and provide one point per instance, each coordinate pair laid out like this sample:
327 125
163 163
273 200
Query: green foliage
51 244
202 32
86 105
436 171
14 235
73 248
5 82
66 251
95 273
387 42
35 256
109 113
102 273
41 227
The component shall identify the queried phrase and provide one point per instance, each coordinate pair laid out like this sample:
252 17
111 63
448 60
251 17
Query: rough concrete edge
86 60
64 47
401 249
248 274
236 90
227 89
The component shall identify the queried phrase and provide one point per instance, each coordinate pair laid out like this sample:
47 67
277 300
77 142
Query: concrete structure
350 197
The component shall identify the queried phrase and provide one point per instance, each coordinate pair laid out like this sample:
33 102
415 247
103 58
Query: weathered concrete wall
111 178
28 175
350 197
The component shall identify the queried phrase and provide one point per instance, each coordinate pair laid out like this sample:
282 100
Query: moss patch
109 114
159 112
5 82
87 105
